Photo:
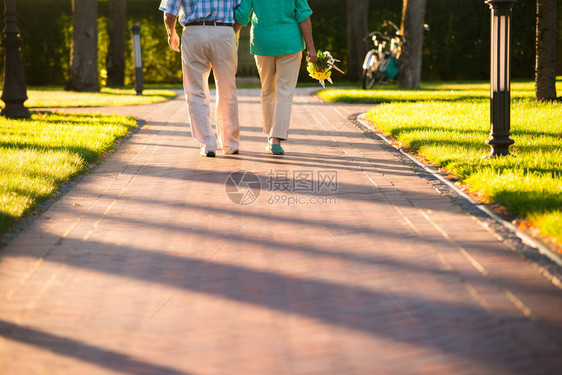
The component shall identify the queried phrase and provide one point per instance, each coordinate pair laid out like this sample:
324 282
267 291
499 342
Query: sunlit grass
452 135
40 154
448 123
445 91
52 97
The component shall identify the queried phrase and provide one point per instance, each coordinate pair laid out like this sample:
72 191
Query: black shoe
208 154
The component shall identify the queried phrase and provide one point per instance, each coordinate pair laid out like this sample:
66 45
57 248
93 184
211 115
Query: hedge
456 48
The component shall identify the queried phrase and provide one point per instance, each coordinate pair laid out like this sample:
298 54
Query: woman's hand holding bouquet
321 69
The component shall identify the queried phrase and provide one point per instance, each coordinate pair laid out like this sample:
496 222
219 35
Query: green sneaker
276 149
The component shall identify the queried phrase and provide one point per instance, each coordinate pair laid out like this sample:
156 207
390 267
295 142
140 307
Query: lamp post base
14 92
139 84
15 110
499 147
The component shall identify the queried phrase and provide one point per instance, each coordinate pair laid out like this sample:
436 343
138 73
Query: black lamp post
14 92
137 55
500 96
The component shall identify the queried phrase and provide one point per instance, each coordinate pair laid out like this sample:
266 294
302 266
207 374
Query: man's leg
287 67
224 59
196 69
266 70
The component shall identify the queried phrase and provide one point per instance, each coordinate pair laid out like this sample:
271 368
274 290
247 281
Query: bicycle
381 63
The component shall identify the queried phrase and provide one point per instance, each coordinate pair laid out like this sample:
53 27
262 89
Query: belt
208 23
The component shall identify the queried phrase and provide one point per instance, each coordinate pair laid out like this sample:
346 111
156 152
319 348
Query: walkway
346 263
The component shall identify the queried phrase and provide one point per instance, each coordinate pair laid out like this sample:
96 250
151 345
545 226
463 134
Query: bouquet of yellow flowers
322 68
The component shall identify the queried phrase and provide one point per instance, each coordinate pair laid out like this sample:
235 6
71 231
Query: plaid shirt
201 10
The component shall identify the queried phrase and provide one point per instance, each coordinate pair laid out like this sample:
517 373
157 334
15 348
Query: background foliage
457 47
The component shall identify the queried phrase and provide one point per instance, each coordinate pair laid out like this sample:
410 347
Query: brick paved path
147 267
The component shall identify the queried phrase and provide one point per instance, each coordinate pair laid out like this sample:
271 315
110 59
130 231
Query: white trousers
203 48
278 75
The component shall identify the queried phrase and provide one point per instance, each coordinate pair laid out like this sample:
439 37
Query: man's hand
237 27
174 41
173 38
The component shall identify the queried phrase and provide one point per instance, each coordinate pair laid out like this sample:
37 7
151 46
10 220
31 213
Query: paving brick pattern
147 267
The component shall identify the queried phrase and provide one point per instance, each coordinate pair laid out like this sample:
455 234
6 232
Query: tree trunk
357 28
83 72
545 64
410 62
558 40
115 63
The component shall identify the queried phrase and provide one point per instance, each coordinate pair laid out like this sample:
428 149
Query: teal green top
275 25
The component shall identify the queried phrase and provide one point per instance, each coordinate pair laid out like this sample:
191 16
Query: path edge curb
546 260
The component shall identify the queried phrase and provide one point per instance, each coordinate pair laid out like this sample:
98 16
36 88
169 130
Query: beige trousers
203 48
278 75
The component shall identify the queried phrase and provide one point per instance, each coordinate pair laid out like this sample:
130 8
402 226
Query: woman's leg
287 69
266 69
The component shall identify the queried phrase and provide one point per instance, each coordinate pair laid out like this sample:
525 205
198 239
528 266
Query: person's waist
207 23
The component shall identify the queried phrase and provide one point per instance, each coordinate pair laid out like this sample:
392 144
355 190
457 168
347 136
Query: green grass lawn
429 91
448 125
40 154
50 97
